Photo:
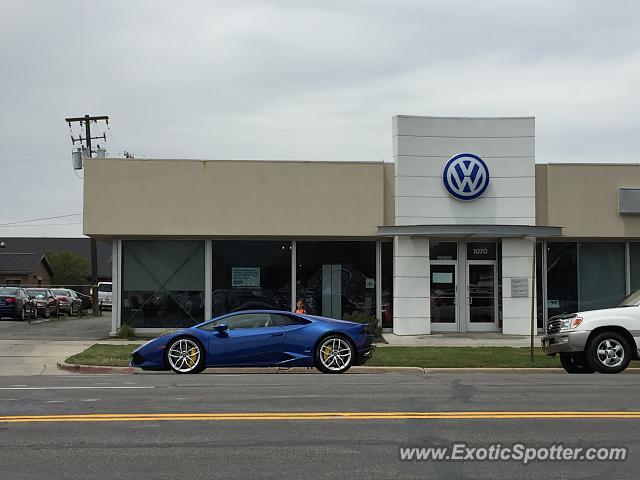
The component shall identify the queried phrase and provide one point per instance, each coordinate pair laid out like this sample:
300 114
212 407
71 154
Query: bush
361 317
126 332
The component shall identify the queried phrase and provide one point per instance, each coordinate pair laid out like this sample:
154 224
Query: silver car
603 340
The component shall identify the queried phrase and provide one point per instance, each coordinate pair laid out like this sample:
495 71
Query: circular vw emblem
465 176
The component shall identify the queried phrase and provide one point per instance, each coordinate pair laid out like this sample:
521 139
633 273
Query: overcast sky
296 79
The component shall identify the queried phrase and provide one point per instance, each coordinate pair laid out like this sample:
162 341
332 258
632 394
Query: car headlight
570 323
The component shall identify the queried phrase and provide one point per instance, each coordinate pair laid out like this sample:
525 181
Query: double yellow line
315 416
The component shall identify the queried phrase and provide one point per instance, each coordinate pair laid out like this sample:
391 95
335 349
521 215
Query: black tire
23 315
608 352
71 311
47 313
334 354
575 363
58 311
185 345
34 313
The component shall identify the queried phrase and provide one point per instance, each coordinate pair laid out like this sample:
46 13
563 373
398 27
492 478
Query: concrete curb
93 369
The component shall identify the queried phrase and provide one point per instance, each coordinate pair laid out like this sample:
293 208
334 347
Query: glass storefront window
601 280
443 250
634 261
584 276
337 279
539 292
387 284
162 283
251 274
562 277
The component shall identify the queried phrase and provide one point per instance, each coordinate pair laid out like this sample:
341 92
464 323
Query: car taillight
10 300
64 299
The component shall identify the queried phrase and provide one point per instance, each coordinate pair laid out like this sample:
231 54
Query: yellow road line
313 416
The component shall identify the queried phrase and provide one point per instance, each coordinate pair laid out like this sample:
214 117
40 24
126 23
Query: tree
68 268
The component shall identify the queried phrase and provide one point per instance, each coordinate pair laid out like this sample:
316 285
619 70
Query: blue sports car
259 338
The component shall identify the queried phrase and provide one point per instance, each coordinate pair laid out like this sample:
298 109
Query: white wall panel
412 166
463 127
448 146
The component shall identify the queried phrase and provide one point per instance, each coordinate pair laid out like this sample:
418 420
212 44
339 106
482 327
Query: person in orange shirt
300 306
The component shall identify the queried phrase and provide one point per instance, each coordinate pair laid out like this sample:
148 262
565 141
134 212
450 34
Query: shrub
362 317
126 332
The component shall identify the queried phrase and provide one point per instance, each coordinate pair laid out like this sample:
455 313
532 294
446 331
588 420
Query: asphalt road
63 328
155 446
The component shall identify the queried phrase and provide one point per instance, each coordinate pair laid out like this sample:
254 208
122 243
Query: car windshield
8 291
631 300
104 287
61 292
38 293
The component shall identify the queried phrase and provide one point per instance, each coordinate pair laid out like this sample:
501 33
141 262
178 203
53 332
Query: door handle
277 334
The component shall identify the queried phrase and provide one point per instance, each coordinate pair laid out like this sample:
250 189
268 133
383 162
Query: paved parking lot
34 349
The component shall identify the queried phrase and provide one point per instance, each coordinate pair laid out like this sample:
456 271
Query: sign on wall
465 176
519 287
245 277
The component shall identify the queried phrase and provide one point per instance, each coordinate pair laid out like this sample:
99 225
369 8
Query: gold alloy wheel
184 355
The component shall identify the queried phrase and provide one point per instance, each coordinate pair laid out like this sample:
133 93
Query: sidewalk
467 339
37 357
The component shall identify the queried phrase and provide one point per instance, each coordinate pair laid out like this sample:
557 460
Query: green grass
428 357
99 354
442 357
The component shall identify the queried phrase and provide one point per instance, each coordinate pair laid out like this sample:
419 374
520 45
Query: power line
39 219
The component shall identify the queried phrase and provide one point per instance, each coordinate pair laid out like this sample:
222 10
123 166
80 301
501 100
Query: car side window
278 320
243 320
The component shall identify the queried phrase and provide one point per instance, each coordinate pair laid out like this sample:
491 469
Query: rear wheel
575 363
334 354
71 311
184 355
47 313
23 314
609 352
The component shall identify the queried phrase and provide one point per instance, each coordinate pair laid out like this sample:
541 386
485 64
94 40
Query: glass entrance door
481 296
444 298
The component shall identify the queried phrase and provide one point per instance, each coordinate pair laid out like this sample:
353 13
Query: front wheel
184 355
574 363
47 313
609 352
334 354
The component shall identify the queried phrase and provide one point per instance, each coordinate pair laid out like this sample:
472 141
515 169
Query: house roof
80 245
22 263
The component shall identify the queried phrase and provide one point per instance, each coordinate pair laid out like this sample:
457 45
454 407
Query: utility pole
87 119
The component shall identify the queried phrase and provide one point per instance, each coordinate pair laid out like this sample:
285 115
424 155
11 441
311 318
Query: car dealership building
462 232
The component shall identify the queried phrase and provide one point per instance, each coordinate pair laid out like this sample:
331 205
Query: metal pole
533 296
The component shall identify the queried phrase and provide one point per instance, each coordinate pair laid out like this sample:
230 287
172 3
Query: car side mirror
223 327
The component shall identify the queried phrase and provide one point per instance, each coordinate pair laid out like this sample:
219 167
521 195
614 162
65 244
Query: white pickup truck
603 341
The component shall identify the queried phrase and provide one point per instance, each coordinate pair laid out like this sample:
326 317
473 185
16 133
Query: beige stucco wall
583 198
257 198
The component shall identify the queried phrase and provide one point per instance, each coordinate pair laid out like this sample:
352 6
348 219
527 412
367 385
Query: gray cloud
300 80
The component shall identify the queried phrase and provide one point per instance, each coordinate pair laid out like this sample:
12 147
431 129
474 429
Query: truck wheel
608 352
574 363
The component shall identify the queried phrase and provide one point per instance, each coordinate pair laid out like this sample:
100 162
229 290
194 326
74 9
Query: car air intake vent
553 326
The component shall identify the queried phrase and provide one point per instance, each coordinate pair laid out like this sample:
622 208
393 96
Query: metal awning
470 231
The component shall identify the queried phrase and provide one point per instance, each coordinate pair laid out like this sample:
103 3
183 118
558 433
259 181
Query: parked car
45 301
15 303
259 338
604 340
69 301
87 301
105 295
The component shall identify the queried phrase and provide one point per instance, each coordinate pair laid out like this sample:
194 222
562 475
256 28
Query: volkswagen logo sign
465 176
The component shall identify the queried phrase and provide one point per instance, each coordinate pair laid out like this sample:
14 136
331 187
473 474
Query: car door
249 340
